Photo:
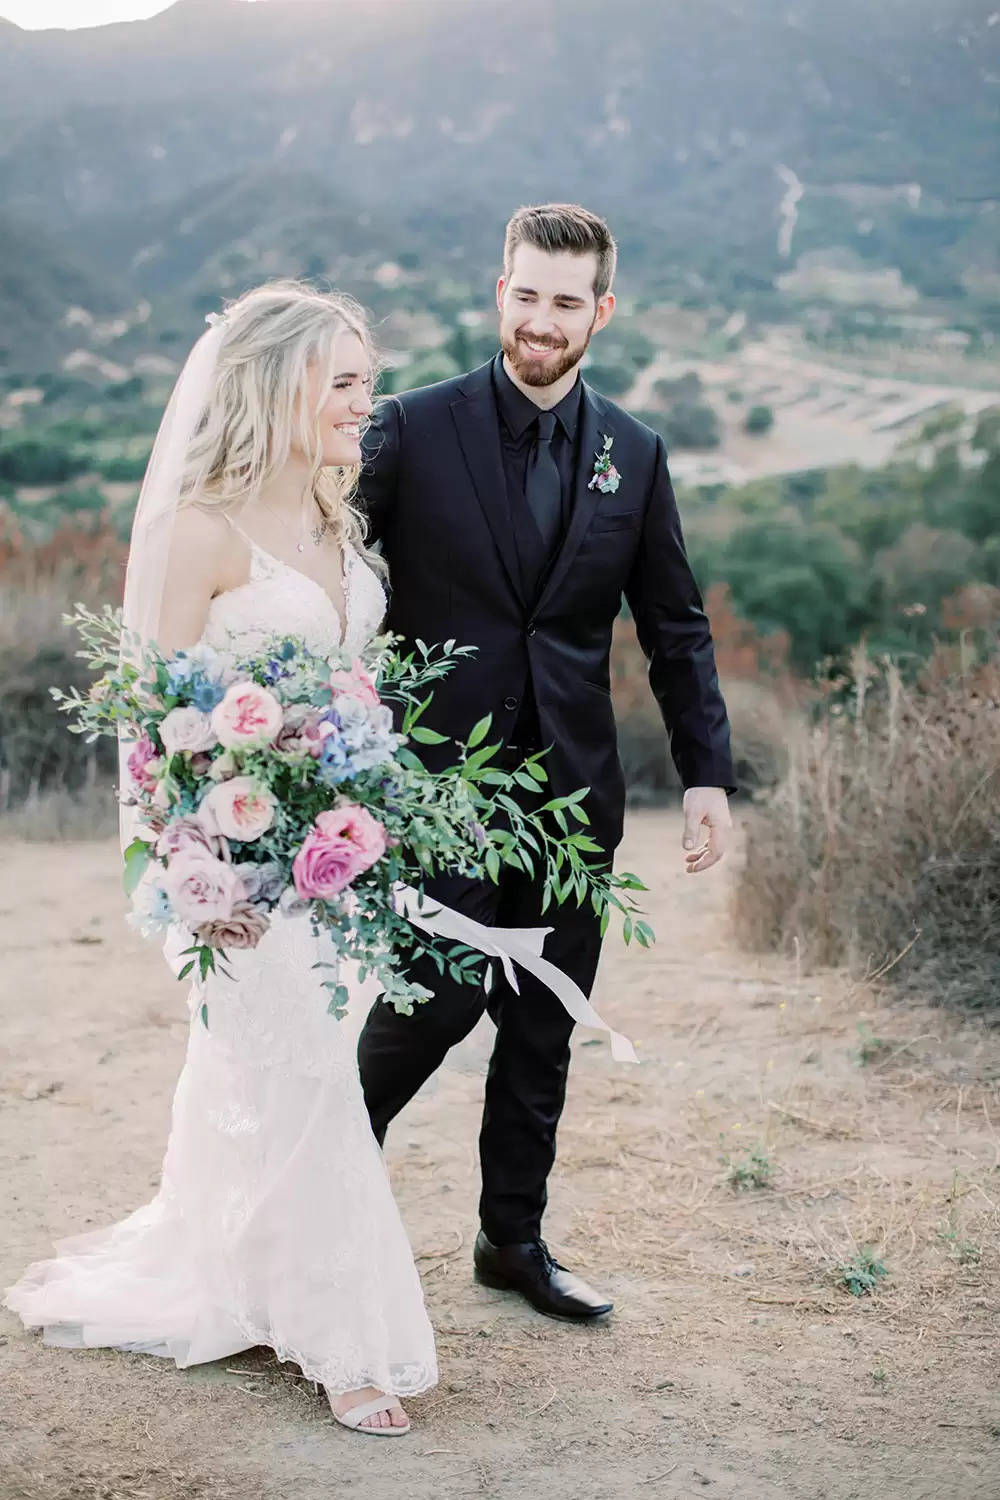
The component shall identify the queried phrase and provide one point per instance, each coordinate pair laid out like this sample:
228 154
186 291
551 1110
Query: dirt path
734 1367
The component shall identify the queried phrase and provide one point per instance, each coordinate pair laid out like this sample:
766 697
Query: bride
274 1223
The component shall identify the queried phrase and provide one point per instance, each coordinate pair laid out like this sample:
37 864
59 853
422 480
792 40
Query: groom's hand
707 827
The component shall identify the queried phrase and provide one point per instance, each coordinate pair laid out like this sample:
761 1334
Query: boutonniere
606 476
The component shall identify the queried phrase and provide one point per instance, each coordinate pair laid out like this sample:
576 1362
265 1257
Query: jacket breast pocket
622 520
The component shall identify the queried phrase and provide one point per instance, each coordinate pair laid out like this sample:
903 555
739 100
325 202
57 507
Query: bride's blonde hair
273 338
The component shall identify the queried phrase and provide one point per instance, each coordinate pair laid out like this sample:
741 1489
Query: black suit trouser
526 1082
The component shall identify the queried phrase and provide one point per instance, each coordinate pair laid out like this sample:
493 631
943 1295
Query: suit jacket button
510 703
532 627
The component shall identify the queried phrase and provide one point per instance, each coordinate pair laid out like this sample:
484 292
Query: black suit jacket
433 487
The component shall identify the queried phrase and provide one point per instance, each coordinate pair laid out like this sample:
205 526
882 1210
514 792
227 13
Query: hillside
725 140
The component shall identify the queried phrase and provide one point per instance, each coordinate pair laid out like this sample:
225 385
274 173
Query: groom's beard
530 371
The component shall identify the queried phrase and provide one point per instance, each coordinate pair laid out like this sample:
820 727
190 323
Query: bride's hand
708 827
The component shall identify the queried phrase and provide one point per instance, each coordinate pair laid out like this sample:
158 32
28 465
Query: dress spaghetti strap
239 530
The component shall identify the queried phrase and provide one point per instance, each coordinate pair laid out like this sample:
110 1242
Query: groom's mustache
530 338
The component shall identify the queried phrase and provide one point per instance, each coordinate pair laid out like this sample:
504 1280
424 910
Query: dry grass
51 784
881 847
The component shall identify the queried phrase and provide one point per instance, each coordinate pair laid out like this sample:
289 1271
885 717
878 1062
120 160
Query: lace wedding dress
274 1223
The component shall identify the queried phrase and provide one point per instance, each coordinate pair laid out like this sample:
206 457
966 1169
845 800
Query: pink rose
143 762
356 683
201 889
187 729
323 867
248 716
343 842
358 828
190 836
238 809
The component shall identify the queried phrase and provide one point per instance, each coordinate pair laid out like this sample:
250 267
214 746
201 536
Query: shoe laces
546 1260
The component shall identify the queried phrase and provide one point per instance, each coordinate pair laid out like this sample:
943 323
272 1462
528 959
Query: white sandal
355 1415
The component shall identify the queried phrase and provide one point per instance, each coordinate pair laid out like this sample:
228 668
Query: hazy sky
39 14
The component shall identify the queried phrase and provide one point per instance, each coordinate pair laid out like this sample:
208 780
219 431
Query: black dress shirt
518 415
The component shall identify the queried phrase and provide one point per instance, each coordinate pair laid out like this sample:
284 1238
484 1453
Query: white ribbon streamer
520 944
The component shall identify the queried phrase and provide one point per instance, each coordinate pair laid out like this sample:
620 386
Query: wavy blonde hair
273 337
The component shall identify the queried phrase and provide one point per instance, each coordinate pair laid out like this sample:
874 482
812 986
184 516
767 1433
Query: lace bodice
278 599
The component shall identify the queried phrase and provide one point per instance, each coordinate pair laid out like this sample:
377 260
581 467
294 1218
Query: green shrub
691 424
610 379
124 468
686 387
39 460
130 389
759 419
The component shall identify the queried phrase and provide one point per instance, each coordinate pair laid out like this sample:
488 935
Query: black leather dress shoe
530 1270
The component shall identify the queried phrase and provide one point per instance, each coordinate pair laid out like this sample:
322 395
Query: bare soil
734 1366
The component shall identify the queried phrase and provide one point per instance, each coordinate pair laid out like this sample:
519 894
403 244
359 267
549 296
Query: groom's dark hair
564 226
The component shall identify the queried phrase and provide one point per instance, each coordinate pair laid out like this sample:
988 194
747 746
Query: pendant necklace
316 533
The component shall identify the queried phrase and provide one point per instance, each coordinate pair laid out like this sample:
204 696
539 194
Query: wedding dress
274 1223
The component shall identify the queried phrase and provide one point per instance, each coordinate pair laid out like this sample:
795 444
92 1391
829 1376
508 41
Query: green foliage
130 389
786 575
123 468
685 425
610 379
759 419
464 819
39 460
427 370
691 424
832 556
870 1048
861 1275
689 421
753 1170
686 387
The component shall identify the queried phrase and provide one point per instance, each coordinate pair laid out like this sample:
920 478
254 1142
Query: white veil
153 524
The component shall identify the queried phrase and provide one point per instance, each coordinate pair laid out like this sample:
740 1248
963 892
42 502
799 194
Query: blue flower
206 694
335 760
198 674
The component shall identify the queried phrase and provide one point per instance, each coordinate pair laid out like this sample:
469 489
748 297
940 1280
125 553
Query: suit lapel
475 417
595 426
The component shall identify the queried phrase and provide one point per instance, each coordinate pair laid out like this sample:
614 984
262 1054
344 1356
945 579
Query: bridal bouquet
278 783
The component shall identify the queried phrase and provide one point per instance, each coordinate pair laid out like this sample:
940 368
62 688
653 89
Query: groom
506 527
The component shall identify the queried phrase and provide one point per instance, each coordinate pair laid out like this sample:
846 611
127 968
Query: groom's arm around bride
515 506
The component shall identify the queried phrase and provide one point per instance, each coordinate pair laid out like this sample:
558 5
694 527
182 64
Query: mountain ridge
681 124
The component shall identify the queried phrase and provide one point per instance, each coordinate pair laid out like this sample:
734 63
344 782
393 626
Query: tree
786 575
34 460
610 379
922 569
759 419
691 424
686 387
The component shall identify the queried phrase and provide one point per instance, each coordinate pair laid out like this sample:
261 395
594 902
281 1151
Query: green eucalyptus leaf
479 732
137 857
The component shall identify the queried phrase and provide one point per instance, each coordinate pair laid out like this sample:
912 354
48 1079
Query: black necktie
542 485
